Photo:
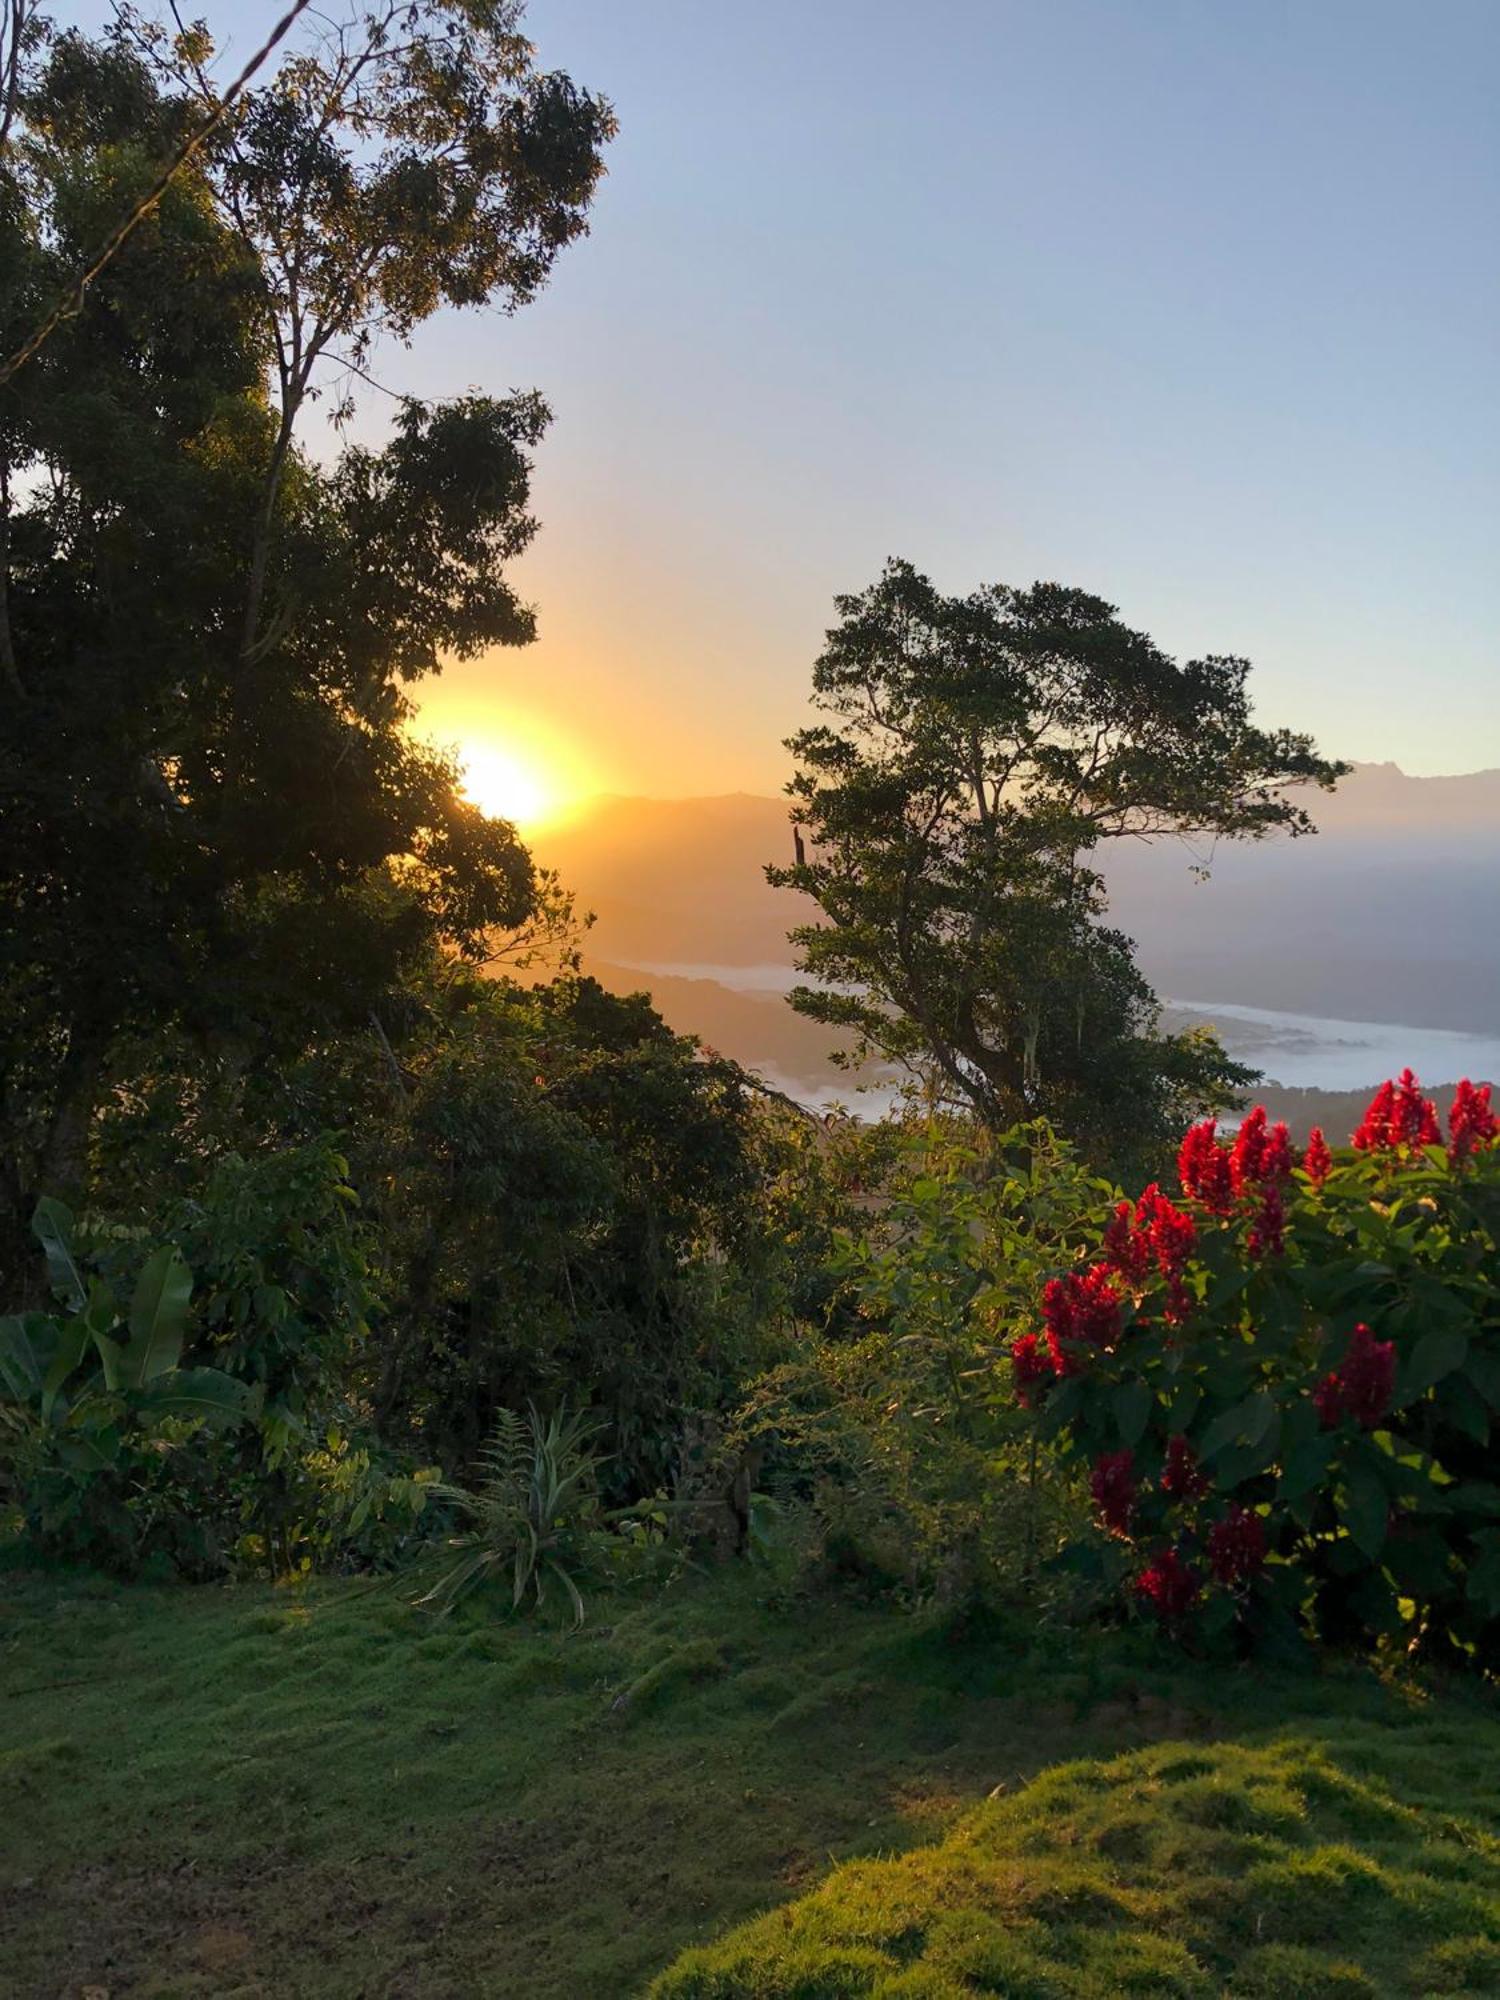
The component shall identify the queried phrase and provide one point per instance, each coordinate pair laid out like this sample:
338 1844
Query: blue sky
1193 305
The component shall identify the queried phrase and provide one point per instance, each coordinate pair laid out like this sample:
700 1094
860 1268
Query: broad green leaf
72 1345
1244 1461
1483 1370
52 1226
1473 1496
158 1315
1244 1423
1306 1467
1133 1403
1459 1406
1365 1510
1436 1355
22 1367
112 1356
1184 1406
207 1393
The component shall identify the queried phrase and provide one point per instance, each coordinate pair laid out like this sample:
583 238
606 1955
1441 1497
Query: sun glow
512 764
505 784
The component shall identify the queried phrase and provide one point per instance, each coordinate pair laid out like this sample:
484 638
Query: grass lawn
251 1792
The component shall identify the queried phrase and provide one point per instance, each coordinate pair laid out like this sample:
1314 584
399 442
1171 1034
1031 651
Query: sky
1190 303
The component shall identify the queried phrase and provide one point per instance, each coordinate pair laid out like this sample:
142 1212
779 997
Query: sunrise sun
506 784
513 764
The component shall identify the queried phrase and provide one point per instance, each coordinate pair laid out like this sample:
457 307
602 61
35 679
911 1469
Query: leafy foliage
978 752
533 1513
891 1421
214 820
1286 1390
89 1396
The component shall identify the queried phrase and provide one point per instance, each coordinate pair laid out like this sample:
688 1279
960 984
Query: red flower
1154 1232
1030 1364
1169 1586
1082 1307
1267 1236
1471 1122
1278 1159
1112 1483
1181 1477
1317 1162
1203 1165
1373 1135
1399 1118
1172 1230
1362 1385
1248 1151
1237 1546
1126 1247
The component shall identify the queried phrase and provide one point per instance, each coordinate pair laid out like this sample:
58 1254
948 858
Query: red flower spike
1317 1162
1030 1366
1237 1546
1169 1586
1181 1477
1267 1236
1126 1247
1471 1122
1112 1483
1373 1135
1247 1155
1362 1385
1399 1119
1082 1308
1279 1158
1204 1168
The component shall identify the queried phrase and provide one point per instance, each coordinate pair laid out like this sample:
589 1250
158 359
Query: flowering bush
1284 1383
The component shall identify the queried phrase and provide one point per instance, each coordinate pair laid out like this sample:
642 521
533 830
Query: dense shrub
1283 1386
208 1424
892 1421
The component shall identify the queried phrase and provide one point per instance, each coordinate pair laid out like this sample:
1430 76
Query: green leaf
1365 1510
1244 1423
208 1393
112 1355
1436 1355
52 1226
1243 1461
1473 1496
22 1366
158 1316
1133 1403
72 1345
1305 1467
1483 1370
1184 1406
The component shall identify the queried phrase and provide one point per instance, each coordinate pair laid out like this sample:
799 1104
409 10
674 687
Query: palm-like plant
531 1514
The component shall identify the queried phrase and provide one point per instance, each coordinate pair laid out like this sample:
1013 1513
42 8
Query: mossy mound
1356 1861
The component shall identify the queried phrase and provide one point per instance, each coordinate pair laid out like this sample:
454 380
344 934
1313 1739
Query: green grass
247 1792
1349 1861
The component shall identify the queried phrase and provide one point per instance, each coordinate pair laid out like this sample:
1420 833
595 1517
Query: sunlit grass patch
1280 1868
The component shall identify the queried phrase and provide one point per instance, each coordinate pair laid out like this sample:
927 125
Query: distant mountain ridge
1391 913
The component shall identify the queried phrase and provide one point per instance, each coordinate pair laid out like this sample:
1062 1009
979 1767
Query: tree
211 815
980 751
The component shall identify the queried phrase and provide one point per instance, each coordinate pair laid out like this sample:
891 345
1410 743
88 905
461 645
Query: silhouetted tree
978 753
210 813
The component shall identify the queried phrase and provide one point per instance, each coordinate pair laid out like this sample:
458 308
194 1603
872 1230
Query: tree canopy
211 813
978 753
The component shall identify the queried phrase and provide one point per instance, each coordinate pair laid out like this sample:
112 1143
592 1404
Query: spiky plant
531 1514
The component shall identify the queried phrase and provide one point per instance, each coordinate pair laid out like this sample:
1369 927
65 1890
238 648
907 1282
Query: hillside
1391 914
